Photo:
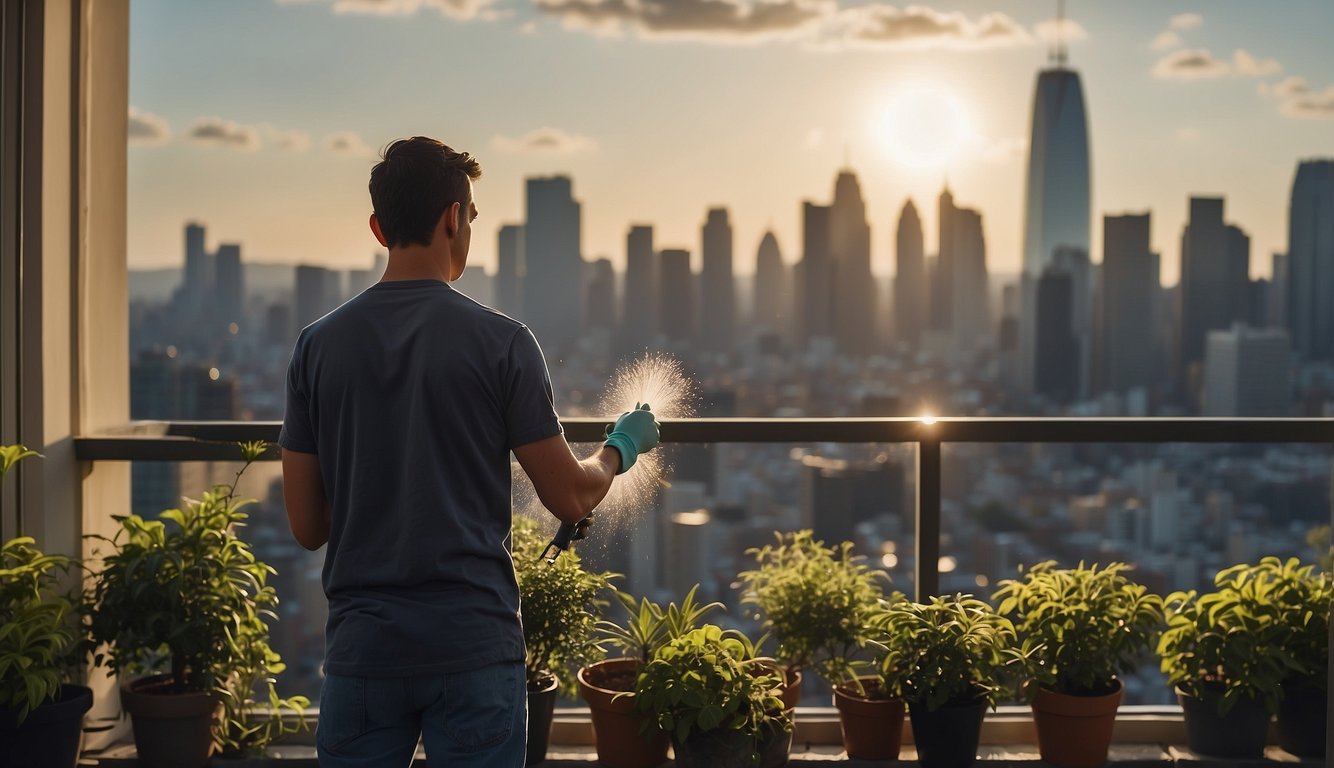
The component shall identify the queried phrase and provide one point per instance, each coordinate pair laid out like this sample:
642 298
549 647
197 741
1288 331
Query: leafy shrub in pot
185 594
1225 653
717 700
816 602
1079 629
560 604
948 659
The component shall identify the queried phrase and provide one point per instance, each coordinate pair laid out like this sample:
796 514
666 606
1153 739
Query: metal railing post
927 564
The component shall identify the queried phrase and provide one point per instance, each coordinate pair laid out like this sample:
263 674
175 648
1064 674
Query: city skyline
312 204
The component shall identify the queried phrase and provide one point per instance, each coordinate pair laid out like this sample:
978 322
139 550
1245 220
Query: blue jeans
474 718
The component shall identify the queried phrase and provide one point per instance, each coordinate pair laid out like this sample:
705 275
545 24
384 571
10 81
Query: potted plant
1079 628
1225 654
560 604
716 700
1303 596
41 716
608 686
184 593
814 601
948 659
870 714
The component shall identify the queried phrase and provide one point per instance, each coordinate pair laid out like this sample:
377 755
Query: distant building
601 310
835 495
853 302
553 297
229 292
772 297
1310 260
815 281
639 313
717 288
197 280
509 270
910 286
1130 285
316 293
1248 372
676 297
1056 348
1214 282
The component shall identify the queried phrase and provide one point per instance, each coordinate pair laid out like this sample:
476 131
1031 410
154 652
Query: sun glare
923 127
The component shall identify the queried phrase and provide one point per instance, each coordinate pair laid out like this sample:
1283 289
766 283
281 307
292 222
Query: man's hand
635 432
581 528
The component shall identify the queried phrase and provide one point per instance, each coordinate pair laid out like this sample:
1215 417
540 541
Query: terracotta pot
50 735
791 693
616 727
541 710
1075 731
872 728
947 737
1242 732
1301 720
171 730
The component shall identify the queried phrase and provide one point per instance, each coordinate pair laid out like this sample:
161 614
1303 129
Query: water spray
656 379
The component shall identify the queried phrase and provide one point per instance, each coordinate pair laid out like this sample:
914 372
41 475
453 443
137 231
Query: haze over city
265 122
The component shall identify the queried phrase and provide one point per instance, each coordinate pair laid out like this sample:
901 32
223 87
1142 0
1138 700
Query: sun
923 127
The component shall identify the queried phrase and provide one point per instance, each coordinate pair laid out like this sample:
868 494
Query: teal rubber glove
635 432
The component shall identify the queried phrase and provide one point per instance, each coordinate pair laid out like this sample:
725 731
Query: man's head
421 193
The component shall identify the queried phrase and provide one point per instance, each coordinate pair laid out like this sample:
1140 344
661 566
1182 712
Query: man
403 406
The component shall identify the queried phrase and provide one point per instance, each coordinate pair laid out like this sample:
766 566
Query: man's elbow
311 541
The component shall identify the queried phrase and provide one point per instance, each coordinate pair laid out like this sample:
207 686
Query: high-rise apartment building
717 328
1309 297
553 297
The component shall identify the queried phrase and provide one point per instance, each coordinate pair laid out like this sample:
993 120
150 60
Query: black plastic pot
715 749
947 737
171 730
541 709
1241 733
775 747
50 735
1301 721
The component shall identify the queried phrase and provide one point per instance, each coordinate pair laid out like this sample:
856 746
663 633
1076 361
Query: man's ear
451 219
375 228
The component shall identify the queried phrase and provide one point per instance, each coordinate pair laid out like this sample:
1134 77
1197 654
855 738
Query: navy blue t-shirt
412 395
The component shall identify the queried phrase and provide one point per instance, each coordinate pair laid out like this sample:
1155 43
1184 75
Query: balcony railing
214 441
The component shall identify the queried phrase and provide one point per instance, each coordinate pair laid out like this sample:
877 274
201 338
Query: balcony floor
1019 756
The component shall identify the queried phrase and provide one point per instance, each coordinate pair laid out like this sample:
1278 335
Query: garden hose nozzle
564 536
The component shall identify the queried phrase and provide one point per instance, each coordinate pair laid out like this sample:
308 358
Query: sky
262 118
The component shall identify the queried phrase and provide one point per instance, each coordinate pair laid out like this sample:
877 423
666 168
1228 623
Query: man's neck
415 263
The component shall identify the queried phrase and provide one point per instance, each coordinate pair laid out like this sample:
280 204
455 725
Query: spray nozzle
567 534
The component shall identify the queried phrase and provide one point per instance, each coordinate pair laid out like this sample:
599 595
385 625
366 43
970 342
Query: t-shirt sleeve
530 408
297 433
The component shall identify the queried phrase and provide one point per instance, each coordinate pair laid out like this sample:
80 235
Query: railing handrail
215 441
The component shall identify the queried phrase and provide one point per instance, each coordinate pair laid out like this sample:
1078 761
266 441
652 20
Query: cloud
917 27
457 9
1185 21
546 140
349 143
146 128
290 141
1289 87
1246 64
216 132
1309 104
1190 65
1067 30
712 20
1166 41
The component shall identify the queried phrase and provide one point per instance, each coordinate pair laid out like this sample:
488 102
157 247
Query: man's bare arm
568 487
303 494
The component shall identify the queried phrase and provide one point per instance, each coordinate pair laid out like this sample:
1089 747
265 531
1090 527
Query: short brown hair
417 180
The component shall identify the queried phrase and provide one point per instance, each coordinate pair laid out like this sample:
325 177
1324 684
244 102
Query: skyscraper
1057 208
853 302
601 310
553 298
1214 261
676 296
1129 288
316 293
1310 260
509 269
718 308
639 315
816 274
229 290
1056 351
772 301
959 302
942 278
1247 372
910 289
198 278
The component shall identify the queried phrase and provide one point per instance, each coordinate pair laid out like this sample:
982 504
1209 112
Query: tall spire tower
1057 210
